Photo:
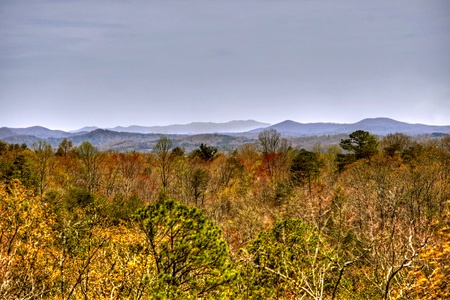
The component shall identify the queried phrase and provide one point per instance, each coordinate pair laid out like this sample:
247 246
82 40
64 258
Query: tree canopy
81 223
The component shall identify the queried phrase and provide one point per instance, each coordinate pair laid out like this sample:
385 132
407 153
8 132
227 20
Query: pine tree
191 257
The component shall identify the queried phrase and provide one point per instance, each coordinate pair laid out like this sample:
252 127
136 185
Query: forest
368 219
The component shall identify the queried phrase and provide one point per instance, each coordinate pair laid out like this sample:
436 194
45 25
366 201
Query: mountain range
191 128
222 135
378 126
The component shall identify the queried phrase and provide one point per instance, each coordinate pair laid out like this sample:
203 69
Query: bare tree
44 154
269 140
162 151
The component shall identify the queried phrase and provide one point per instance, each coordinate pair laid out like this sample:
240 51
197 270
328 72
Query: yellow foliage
36 260
24 243
432 275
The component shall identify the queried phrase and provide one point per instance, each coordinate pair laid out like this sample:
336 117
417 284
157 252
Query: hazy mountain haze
68 64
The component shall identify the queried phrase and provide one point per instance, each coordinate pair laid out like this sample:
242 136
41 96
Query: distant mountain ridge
223 135
191 128
195 128
84 129
37 131
378 126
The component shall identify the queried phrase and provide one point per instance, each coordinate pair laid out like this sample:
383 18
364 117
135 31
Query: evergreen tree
361 143
190 255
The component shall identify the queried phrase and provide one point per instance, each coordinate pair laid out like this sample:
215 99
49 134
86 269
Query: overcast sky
69 64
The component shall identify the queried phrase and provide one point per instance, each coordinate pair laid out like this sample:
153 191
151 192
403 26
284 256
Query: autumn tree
269 141
198 184
43 159
131 167
431 273
162 151
90 158
395 144
64 147
292 260
276 158
122 269
229 169
25 238
387 210
177 152
15 164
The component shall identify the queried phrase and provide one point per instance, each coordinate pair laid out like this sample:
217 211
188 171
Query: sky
69 64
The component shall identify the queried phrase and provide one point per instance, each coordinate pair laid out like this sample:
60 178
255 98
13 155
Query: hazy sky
69 64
